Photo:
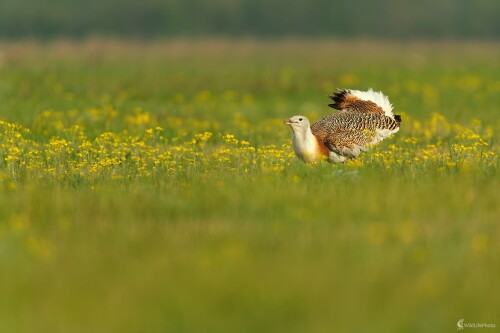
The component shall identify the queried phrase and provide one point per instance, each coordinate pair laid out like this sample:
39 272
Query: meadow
151 187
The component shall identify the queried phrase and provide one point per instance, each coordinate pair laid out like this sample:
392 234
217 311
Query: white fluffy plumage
376 97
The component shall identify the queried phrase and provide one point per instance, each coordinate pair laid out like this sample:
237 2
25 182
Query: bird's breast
308 148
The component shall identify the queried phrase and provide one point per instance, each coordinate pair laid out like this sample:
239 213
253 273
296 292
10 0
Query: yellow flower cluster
66 147
75 152
437 145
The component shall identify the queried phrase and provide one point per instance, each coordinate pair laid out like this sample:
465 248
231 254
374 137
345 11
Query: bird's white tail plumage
377 98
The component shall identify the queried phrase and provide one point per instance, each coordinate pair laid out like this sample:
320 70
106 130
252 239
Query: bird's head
298 123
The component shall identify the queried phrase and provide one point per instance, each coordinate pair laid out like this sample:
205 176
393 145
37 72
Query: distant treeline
460 19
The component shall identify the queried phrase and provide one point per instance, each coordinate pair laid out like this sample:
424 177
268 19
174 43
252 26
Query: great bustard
365 118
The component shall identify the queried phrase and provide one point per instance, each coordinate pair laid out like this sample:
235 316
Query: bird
364 118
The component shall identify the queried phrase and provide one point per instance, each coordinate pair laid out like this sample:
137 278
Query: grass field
151 187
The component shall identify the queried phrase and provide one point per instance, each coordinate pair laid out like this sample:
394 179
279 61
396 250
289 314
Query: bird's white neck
305 144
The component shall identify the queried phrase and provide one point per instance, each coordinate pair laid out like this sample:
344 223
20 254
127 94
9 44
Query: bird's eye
300 119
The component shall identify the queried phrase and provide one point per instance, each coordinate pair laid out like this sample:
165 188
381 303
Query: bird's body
365 118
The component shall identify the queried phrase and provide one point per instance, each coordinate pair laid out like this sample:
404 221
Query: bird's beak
289 122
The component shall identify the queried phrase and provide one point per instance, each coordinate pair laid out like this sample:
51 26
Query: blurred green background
395 19
411 247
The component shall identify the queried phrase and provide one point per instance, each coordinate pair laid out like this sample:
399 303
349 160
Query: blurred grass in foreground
152 188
